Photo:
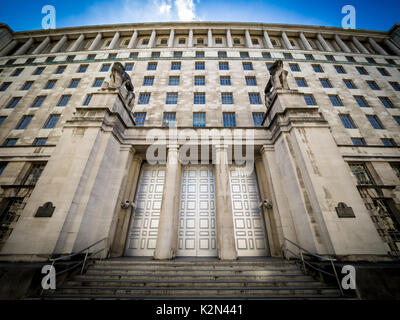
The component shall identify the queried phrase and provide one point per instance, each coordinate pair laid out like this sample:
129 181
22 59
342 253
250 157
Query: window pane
172 98
347 121
51 122
169 119
38 102
199 119
258 118
226 98
144 98
254 98
229 119
199 98
140 117
24 122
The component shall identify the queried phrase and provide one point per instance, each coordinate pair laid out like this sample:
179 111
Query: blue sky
26 15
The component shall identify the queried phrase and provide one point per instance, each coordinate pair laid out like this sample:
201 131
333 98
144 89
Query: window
112 56
199 98
397 119
182 41
133 55
335 100
91 57
222 54
87 99
2 118
361 70
309 99
63 101
340 69
173 81
98 82
347 121
254 41
199 119
70 58
4 86
395 86
50 84
258 119
317 68
177 54
226 98
229 119
247 66
60 69
13 103
330 58
175 66
155 54
325 83
10 62
388 142
200 41
309 57
223 66
17 72
244 54
287 55
199 54
50 59
361 101
169 119
349 84
40 141
375 122
105 67
38 71
27 85
383 72
152 66
386 102
51 121
218 41
390 61
24 122
254 98
10 142
74 83
396 167
140 118
301 82
82 68
225 80
199 65
350 59
294 67
373 85
199 80
358 141
172 98
38 101
370 60
148 81
3 165
236 41
266 55
251 81
164 41
128 66
144 98
34 173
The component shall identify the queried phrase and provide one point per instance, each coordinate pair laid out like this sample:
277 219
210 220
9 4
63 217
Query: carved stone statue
120 80
277 80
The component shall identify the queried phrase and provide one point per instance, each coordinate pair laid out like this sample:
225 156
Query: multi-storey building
322 162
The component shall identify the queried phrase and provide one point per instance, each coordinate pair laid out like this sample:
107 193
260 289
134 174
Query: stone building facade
198 165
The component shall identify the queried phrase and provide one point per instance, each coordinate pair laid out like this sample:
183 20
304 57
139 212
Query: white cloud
165 7
186 10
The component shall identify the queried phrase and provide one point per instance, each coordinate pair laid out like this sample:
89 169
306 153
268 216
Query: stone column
359 45
152 39
190 41
377 47
24 48
77 43
95 42
41 46
323 42
305 42
114 41
59 44
210 38
9 48
132 42
392 47
286 41
341 44
169 215
224 217
229 38
249 43
267 40
171 38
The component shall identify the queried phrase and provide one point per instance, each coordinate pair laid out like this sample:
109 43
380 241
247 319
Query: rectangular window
373 85
301 82
140 118
226 98
266 55
17 72
350 59
294 67
182 41
287 55
347 121
349 84
2 118
199 65
251 81
50 84
10 62
133 55
175 66
258 119
395 86
309 57
98 82
335 100
24 122
112 56
87 99
222 54
148 81
371 60
4 86
70 58
60 69
254 98
199 80
223 66
199 54
169 119
199 119
38 102
309 99
325 83
244 54
152 66
361 173
362 70
317 68
38 71
51 121
330 58
340 69
3 165
388 142
34 173
247 66
144 98
375 122
383 72
128 66
13 103
199 98
225 80
386 102
105 67
82 68
172 98
63 100
27 85
173 81
229 119
40 141
50 59
10 142
361 101
397 119
74 83
91 57
155 54
358 141
177 54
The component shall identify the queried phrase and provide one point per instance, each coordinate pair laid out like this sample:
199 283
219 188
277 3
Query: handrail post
337 278
302 260
84 261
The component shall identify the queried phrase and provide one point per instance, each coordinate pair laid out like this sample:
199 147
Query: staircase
126 278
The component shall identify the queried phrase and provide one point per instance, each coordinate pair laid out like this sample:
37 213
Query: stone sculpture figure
277 80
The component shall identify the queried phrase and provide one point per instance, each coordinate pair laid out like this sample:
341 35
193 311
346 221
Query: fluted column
305 42
392 47
59 44
114 41
132 41
323 42
171 38
95 42
24 48
210 39
224 217
9 48
190 41
41 46
249 43
359 45
267 40
377 47
152 39
168 223
229 38
77 43
341 44
286 41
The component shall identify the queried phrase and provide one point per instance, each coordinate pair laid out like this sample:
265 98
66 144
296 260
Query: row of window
50 123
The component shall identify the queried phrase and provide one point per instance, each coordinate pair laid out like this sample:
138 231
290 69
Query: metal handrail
308 263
